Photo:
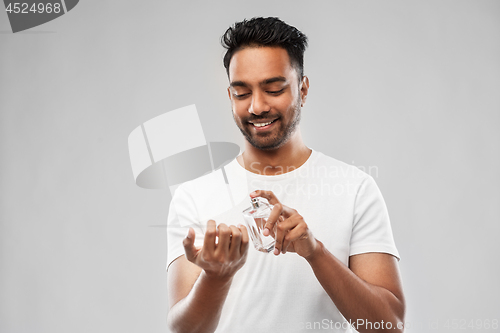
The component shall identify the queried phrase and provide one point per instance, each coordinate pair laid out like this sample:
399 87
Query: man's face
266 95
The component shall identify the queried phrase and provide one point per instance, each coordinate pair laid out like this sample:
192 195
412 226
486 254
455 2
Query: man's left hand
292 232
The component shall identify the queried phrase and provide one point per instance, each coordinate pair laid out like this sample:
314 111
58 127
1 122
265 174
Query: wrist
318 252
216 279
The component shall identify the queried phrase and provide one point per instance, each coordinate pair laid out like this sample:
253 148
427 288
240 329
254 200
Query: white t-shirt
341 205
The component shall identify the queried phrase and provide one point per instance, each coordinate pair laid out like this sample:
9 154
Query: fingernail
253 193
187 236
276 251
265 232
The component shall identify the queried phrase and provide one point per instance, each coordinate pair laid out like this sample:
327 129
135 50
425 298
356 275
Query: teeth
262 124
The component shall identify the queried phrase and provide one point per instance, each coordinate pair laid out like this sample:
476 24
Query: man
334 260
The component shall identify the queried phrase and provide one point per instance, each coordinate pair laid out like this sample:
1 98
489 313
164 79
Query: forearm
355 298
200 310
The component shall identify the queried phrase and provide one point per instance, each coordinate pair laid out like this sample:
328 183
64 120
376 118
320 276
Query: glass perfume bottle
255 219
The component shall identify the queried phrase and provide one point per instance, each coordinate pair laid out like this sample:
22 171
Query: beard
275 139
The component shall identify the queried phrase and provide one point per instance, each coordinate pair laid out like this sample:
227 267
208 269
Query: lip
263 128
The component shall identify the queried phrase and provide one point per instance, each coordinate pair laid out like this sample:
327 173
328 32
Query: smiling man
335 263
264 127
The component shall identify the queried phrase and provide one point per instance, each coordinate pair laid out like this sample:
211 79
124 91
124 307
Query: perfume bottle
255 219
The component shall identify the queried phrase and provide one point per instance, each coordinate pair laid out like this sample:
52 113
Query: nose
259 103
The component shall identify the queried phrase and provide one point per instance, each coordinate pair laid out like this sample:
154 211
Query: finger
188 244
245 239
234 247
282 230
272 232
299 232
272 219
210 234
224 240
269 195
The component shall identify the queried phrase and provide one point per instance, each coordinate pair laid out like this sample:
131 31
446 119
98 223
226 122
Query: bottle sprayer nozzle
255 202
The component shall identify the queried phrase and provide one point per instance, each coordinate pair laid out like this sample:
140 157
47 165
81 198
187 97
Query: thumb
188 243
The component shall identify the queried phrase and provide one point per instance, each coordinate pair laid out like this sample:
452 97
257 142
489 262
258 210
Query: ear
229 93
304 89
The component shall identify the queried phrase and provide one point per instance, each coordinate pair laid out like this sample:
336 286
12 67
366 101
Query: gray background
409 88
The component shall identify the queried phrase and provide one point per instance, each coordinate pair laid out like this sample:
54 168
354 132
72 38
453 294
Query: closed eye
240 95
276 92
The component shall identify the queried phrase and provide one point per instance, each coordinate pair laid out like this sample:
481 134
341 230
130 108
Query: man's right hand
222 259
197 292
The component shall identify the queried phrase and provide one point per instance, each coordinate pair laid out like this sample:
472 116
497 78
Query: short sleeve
371 230
182 215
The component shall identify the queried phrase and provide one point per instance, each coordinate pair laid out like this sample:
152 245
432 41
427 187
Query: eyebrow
263 83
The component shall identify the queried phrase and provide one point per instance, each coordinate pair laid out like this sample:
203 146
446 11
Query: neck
286 158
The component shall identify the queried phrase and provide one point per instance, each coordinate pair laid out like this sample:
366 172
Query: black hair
269 31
